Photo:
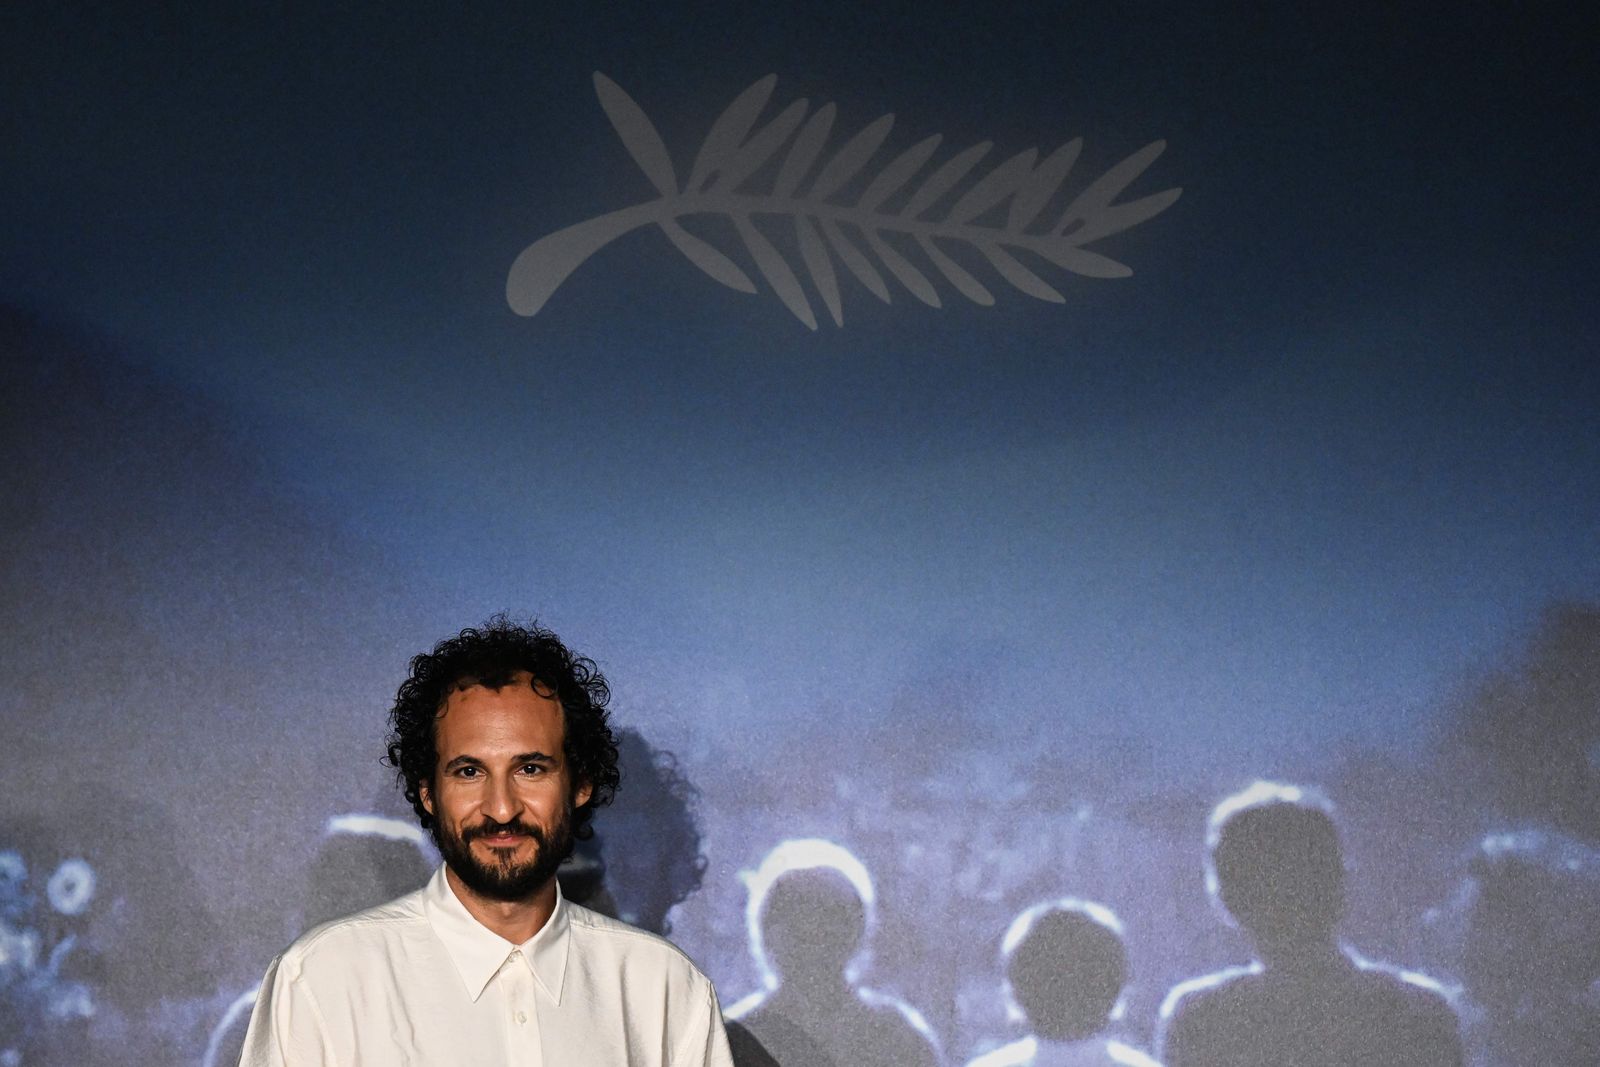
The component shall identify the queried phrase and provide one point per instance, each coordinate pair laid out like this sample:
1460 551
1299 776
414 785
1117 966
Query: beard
504 878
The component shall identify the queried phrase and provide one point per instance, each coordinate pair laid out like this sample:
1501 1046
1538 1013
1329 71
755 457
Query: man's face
502 795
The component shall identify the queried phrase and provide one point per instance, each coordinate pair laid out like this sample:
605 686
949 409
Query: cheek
549 795
549 800
453 802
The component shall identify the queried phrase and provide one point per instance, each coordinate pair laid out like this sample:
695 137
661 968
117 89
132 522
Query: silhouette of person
1066 966
1531 951
1276 867
362 860
809 916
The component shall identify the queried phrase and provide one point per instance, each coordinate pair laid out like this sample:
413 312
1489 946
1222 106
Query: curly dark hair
489 656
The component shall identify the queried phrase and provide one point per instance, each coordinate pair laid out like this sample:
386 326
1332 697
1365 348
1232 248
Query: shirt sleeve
286 1029
705 1042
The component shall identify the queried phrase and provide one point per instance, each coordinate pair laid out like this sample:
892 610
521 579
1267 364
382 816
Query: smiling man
501 738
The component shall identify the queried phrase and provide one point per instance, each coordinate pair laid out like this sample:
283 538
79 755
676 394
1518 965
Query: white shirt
419 981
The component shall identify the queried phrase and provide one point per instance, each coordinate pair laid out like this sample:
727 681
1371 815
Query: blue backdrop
1001 599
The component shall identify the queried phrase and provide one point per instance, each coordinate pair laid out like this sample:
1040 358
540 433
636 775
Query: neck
814 990
514 920
1301 955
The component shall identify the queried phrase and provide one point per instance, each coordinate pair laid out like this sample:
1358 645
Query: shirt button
522 1016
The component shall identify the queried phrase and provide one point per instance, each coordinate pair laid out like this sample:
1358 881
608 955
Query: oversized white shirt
419 981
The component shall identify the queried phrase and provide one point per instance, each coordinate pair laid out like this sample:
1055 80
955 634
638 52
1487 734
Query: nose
500 801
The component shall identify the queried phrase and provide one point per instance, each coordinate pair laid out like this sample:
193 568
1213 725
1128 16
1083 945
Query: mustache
489 827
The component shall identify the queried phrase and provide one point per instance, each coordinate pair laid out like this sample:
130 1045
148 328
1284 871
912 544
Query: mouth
502 840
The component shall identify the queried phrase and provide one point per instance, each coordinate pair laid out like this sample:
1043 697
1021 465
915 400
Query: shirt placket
521 1012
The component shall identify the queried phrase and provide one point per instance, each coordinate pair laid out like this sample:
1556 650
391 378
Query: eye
467 772
533 769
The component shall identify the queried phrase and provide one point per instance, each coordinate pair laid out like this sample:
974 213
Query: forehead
515 719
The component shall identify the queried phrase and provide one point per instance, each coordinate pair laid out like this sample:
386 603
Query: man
501 738
1277 869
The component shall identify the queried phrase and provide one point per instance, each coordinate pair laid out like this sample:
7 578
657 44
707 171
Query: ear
581 795
425 794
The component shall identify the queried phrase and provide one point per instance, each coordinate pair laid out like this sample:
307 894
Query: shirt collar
478 952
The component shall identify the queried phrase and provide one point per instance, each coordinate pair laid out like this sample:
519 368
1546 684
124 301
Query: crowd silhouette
1275 869
1517 934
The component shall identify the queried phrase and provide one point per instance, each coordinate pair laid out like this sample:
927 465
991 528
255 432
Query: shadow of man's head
646 857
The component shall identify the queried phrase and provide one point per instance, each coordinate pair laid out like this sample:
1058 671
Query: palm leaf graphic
638 134
730 131
740 146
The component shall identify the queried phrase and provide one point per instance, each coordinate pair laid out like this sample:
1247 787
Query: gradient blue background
1273 506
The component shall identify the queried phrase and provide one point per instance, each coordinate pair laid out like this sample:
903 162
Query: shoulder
1208 992
1410 983
601 935
1419 994
747 1005
891 1008
1025 1052
900 1026
335 946
1128 1056
1196 1008
1418 1011
1017 1054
